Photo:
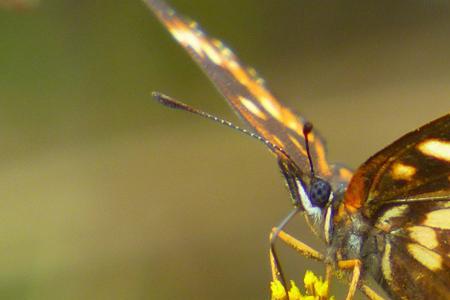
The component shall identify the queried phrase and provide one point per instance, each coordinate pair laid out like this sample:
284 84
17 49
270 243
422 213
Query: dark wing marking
404 190
414 168
247 94
415 263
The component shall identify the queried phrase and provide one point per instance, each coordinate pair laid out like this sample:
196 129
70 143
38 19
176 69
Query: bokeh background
104 194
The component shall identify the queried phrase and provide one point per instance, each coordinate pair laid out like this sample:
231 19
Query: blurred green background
104 194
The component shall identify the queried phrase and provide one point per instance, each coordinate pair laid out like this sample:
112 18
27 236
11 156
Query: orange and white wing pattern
245 91
415 168
404 190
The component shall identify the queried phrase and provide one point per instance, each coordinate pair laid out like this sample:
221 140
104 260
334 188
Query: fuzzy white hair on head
314 212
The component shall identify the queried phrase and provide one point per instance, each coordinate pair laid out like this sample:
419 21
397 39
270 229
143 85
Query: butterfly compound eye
319 192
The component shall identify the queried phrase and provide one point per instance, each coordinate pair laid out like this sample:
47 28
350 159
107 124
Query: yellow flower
315 289
278 291
294 292
321 288
310 280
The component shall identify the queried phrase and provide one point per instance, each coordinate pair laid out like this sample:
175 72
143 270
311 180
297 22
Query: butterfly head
315 199
319 192
312 193
319 189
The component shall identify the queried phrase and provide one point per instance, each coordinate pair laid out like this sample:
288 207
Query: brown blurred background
104 194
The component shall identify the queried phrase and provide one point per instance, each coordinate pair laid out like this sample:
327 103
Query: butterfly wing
405 190
247 94
415 168
415 262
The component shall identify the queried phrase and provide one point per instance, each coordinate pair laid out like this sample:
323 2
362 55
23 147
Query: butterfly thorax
349 236
355 237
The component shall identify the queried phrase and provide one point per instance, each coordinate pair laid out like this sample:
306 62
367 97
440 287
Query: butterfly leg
328 274
371 294
298 246
309 252
354 264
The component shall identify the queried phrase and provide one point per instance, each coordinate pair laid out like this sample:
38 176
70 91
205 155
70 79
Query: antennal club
307 128
172 103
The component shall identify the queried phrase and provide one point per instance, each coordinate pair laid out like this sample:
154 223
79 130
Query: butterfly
389 220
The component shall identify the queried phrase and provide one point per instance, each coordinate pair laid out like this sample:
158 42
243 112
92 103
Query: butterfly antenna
307 128
172 103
